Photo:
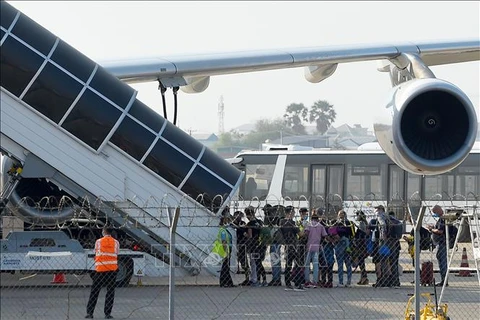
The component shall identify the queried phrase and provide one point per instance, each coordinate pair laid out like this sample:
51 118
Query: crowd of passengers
317 242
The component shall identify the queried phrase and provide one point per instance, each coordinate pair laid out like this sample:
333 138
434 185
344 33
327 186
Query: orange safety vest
106 252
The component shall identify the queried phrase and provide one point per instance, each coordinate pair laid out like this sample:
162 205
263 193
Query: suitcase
426 273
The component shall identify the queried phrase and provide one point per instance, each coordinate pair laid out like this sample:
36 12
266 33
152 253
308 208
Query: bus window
319 178
439 187
396 183
257 181
335 182
365 182
413 186
467 182
295 182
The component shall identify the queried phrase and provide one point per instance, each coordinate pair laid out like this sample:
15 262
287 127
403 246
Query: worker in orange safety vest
106 266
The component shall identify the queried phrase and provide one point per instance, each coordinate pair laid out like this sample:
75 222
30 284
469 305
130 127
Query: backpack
394 228
452 235
425 239
265 235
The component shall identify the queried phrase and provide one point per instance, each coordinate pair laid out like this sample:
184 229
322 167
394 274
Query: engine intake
429 126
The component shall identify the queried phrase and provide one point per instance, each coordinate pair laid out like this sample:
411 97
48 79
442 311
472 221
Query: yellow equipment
430 312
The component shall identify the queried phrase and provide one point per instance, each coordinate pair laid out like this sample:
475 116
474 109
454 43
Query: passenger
253 234
290 233
241 230
275 248
263 241
439 241
302 223
395 248
326 270
315 233
411 246
425 242
250 188
410 241
378 226
226 239
342 248
360 241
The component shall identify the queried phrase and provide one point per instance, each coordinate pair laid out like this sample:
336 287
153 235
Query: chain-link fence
241 266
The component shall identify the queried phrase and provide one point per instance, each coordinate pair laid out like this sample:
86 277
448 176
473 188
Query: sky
116 30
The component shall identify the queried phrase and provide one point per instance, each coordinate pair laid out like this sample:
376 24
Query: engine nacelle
428 127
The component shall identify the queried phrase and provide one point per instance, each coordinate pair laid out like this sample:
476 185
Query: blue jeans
313 257
343 257
276 262
442 259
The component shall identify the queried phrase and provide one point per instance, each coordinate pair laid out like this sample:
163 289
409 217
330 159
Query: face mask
435 215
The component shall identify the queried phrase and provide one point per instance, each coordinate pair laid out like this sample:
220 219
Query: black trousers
102 279
290 259
225 276
242 258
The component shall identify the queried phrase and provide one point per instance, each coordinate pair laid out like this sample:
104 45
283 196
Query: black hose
175 90
164 103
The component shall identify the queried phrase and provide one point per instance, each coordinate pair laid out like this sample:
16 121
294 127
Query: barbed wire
87 212
201 298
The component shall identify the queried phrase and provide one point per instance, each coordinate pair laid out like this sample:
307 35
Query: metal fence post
416 239
171 288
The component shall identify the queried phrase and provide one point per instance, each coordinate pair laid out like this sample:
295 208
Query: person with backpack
290 232
253 234
425 242
439 241
395 228
241 232
314 232
379 234
264 240
275 245
360 244
342 248
326 271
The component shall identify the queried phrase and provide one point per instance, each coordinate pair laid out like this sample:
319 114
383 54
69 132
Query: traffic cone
464 264
59 278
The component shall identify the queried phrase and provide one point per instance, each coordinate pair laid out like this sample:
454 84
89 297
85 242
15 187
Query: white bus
349 180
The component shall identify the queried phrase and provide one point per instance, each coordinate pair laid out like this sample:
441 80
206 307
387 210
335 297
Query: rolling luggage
426 273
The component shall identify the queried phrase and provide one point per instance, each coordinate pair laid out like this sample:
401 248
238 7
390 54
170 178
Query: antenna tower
221 116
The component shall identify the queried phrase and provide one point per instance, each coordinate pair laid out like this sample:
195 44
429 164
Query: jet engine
428 126
37 201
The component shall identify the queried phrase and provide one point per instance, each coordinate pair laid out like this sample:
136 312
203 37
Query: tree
294 114
266 129
226 139
323 114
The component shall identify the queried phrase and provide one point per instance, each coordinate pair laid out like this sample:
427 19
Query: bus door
327 188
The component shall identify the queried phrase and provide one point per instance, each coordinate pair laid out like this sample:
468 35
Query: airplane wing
184 70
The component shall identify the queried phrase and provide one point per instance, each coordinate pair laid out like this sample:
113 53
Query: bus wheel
125 271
